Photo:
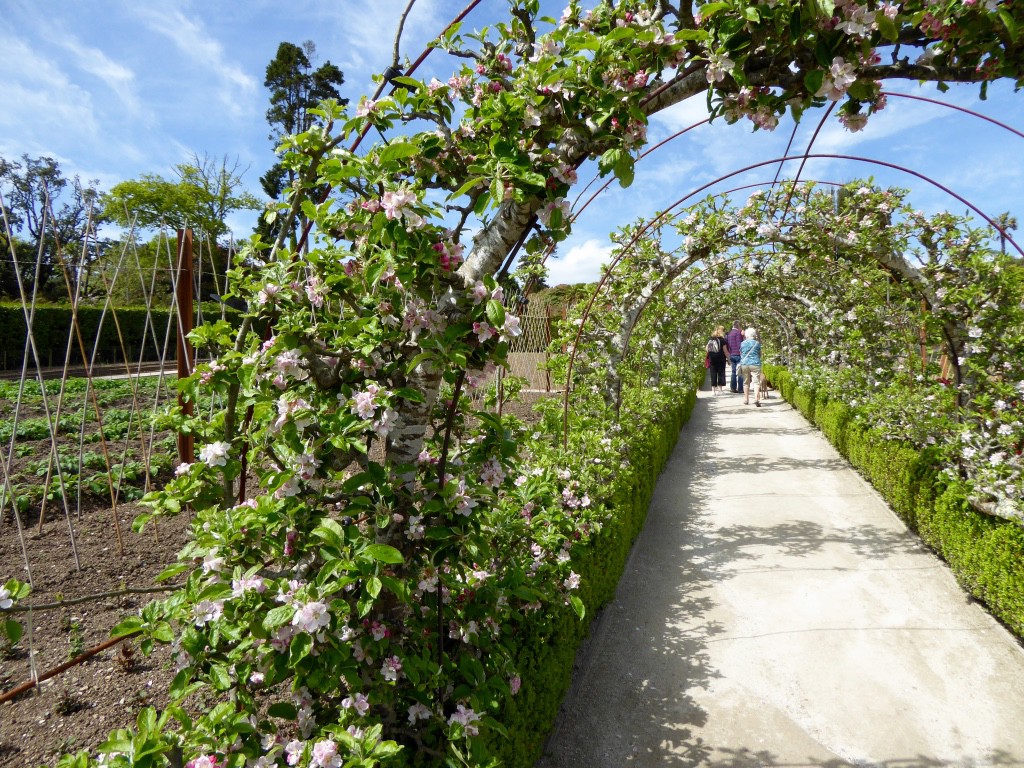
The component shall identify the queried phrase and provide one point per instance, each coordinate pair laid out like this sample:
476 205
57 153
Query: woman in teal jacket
750 366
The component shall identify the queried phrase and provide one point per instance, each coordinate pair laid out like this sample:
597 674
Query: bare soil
78 708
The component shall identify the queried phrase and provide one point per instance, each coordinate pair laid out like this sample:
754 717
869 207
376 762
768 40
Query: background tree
295 88
47 216
205 193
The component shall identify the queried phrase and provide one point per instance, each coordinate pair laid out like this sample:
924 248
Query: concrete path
775 612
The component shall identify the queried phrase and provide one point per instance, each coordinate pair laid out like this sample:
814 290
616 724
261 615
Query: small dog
763 390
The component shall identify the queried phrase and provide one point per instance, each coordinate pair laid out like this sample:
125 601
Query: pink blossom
311 617
511 328
514 684
838 78
207 611
359 703
325 755
467 718
366 107
854 123
395 202
478 292
559 204
483 331
491 473
293 751
573 581
391 668
203 761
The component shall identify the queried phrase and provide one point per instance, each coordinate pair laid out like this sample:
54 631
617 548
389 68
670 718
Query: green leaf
409 81
709 10
171 571
119 741
13 631
813 81
398 151
887 27
468 187
180 684
577 605
130 626
300 647
220 678
331 532
162 632
495 313
146 721
277 616
284 710
373 585
1008 22
384 553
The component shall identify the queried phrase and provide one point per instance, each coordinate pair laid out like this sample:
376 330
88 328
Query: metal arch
970 112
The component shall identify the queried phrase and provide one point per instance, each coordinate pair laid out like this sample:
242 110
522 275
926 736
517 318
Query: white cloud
369 33
581 264
679 116
193 41
119 78
38 96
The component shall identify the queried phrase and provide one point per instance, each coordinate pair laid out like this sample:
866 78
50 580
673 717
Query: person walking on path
733 342
750 366
717 351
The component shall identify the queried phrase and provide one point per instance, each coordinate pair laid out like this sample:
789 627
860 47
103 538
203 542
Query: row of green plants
984 552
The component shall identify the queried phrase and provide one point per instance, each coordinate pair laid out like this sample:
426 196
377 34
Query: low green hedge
52 322
985 553
547 663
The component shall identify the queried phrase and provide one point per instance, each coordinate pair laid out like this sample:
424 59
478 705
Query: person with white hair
750 366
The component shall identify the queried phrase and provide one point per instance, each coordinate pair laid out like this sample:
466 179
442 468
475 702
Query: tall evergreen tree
295 88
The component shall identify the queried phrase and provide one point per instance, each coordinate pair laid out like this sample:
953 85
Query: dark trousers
735 381
717 368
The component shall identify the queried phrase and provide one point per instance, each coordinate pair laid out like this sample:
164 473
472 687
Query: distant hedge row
986 554
51 325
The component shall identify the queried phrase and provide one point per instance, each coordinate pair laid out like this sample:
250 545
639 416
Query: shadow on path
680 670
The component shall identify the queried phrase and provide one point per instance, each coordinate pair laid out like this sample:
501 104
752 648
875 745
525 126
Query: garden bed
81 706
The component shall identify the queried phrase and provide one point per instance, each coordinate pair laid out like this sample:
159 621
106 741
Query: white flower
467 717
215 454
311 617
573 581
207 611
212 563
418 712
5 598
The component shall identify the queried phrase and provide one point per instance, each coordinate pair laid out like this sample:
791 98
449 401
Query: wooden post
186 447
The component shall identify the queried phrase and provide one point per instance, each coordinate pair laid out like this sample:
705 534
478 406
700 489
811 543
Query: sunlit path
775 613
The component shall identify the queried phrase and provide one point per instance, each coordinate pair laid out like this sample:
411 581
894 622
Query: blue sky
117 88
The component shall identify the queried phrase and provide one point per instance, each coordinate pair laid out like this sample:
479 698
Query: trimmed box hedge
51 325
546 667
986 554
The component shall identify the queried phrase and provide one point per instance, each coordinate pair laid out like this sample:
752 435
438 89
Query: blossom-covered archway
372 557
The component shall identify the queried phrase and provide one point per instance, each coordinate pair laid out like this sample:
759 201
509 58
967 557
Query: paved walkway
775 612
